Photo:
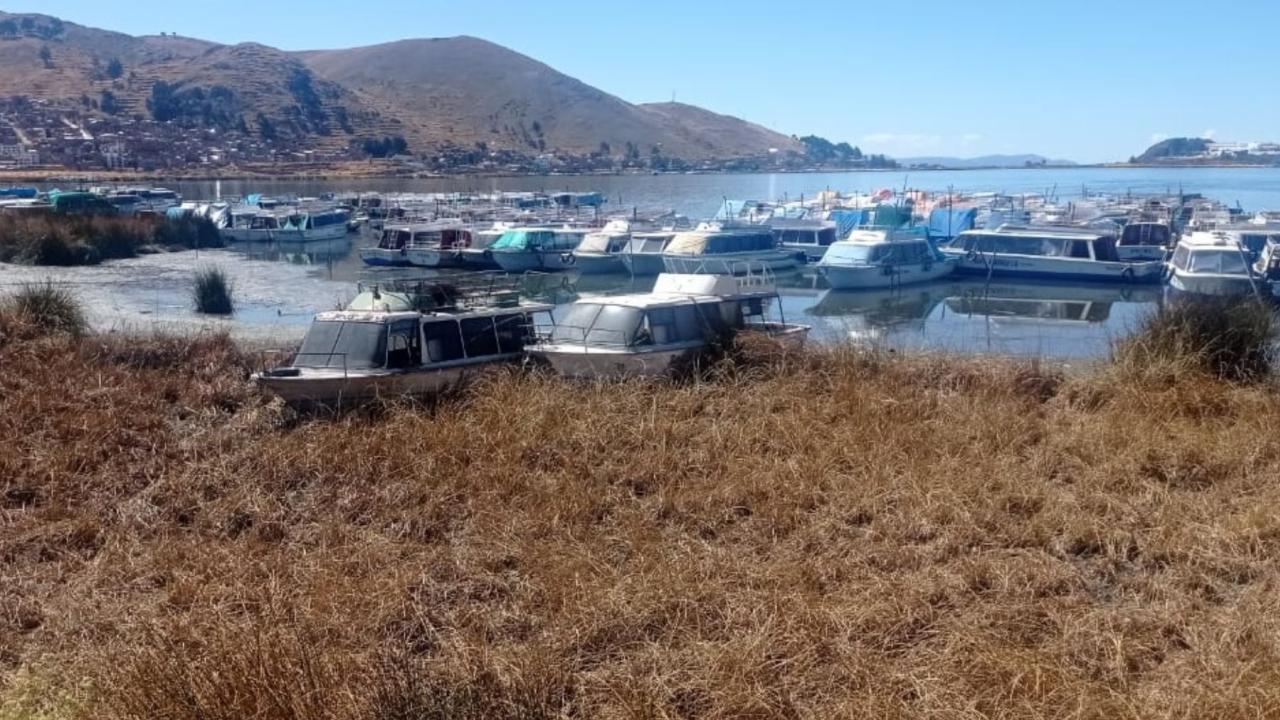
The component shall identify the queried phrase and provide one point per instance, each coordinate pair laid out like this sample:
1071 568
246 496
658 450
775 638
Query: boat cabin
1040 242
682 309
871 247
539 240
366 340
1210 253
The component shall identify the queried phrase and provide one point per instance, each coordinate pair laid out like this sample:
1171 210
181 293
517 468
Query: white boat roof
1209 240
682 288
879 237
1041 232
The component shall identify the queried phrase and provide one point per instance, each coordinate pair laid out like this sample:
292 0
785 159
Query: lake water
279 289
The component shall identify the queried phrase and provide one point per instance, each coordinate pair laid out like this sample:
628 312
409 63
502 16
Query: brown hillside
435 92
468 90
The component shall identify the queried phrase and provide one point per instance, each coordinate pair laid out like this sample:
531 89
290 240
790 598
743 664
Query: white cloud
1210 134
971 138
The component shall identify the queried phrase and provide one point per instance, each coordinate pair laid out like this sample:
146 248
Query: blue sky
1084 80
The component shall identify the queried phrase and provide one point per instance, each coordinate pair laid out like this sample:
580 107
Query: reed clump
822 533
42 309
211 291
1227 337
69 239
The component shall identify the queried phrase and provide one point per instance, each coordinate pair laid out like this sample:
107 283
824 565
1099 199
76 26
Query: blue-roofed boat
536 248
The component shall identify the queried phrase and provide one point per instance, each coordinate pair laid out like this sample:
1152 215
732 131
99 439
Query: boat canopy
603 242
906 252
949 222
703 243
537 240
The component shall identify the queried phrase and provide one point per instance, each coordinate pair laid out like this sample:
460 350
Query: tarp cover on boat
946 223
846 220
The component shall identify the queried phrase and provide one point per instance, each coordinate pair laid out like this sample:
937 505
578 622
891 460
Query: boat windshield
853 254
1224 262
343 344
597 324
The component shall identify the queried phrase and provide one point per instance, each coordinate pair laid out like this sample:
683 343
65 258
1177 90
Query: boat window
851 253
513 332
826 236
443 340
479 336
1104 248
403 345
1080 249
675 324
576 322
615 324
1228 262
339 344
598 324
1180 257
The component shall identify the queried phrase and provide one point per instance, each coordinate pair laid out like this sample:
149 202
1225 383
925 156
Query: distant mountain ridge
985 161
436 93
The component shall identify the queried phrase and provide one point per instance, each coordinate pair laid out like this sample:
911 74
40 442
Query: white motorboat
725 249
883 257
1057 253
1212 263
653 333
415 338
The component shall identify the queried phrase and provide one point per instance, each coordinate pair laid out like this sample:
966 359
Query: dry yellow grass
813 536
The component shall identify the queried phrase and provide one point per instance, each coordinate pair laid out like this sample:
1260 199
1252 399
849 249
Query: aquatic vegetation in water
67 239
211 291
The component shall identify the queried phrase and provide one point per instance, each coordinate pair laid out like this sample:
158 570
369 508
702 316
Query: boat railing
479 289
587 336
329 356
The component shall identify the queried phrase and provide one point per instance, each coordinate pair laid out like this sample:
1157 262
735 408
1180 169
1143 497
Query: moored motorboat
1057 252
643 252
719 249
600 251
536 248
1212 263
883 257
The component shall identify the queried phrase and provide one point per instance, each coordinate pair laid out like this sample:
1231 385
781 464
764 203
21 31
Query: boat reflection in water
1022 318
297 252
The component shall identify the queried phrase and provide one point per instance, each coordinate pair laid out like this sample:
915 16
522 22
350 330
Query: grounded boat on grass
646 334
413 338
1058 253
879 258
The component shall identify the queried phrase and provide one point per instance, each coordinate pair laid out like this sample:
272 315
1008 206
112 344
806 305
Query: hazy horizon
1086 82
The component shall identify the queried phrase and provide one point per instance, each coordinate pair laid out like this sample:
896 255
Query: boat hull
729 263
326 232
642 263
381 257
433 258
334 388
1058 268
1221 285
866 277
478 258
575 361
598 263
522 261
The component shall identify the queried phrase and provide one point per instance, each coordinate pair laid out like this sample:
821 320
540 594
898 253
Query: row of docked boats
1134 241
417 337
